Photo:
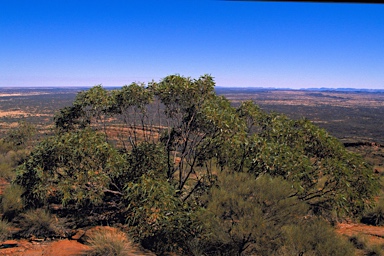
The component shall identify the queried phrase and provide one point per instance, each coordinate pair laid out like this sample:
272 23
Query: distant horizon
258 44
216 87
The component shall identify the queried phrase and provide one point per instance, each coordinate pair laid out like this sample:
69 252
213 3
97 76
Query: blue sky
260 44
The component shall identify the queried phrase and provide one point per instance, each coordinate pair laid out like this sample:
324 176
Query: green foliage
14 149
21 135
324 173
5 230
76 167
10 160
6 167
95 102
156 216
108 242
183 96
11 201
132 96
40 223
178 140
70 118
314 237
244 215
203 130
146 158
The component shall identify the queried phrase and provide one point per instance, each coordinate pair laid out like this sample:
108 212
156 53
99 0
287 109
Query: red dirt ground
373 234
63 247
57 248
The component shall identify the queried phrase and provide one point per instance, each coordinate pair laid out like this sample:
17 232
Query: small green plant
40 223
108 242
11 201
5 232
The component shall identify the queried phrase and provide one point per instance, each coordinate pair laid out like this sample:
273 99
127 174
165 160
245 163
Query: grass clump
11 201
5 231
40 223
108 242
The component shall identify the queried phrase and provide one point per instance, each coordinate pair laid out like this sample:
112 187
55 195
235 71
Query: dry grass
108 242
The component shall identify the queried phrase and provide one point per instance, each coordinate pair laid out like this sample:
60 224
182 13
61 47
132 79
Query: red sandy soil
57 248
373 234
64 247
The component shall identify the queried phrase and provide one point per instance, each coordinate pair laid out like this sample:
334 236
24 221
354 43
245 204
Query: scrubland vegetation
180 169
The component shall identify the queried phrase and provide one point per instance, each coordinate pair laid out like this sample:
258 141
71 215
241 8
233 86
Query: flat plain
351 116
354 117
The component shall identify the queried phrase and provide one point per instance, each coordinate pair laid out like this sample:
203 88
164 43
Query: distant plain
354 117
350 116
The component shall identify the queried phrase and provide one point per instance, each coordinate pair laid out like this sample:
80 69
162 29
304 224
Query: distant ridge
343 89
322 89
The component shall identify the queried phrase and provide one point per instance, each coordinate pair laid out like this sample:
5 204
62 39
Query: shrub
9 161
314 237
40 223
11 201
74 168
21 135
108 242
244 215
158 219
5 232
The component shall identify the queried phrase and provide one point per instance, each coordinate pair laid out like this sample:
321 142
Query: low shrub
314 237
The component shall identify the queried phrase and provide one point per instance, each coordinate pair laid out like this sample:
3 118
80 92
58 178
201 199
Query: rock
9 244
79 234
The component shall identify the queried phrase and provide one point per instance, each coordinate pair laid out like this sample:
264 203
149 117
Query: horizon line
216 86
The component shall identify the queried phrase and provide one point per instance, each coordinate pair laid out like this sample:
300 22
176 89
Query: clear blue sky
295 45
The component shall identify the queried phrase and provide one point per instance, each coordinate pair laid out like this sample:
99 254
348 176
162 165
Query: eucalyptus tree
245 216
324 173
202 134
199 126
131 102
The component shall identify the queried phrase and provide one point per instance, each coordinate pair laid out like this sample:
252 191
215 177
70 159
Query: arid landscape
353 117
191 128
